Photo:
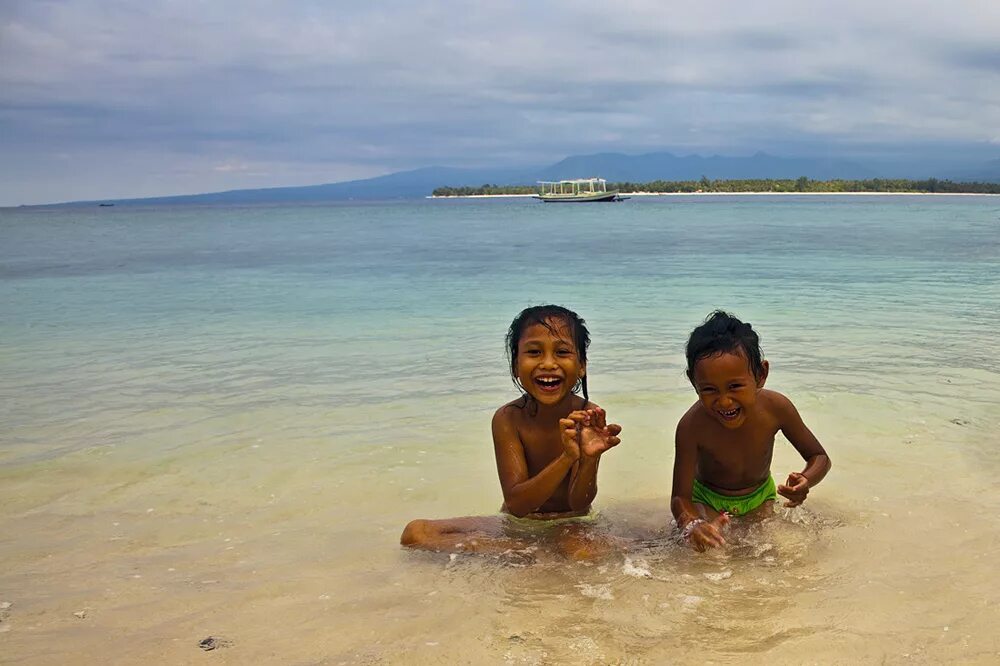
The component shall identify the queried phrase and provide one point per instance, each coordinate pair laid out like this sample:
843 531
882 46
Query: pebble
213 642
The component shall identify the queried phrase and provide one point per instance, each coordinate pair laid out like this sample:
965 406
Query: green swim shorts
736 505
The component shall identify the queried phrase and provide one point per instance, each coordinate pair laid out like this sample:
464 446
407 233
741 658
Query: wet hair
549 316
722 333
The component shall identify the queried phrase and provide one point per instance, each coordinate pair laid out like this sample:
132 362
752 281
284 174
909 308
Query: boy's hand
596 435
703 535
795 489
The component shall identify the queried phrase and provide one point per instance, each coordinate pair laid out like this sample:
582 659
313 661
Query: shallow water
217 421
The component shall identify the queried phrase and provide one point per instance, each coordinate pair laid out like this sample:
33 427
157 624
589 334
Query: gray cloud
115 98
986 58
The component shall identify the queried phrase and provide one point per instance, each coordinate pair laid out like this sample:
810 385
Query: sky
118 98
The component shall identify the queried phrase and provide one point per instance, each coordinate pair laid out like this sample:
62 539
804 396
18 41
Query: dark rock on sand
213 642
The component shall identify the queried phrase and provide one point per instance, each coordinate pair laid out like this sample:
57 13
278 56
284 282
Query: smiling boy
725 441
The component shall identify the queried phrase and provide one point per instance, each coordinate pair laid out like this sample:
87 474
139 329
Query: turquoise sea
217 420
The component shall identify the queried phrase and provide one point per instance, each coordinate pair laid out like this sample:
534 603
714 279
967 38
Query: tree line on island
801 184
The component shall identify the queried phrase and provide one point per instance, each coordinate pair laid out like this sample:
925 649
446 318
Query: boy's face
548 364
726 387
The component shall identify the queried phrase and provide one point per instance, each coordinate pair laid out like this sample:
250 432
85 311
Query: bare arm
685 461
701 534
522 493
796 488
596 436
583 483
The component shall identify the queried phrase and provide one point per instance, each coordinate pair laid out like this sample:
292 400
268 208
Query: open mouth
729 414
548 384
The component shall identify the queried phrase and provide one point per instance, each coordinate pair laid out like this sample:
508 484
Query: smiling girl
548 443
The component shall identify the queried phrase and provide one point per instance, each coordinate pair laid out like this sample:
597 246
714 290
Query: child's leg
471 534
763 512
580 541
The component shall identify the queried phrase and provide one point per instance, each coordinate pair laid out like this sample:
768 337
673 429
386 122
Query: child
724 442
548 442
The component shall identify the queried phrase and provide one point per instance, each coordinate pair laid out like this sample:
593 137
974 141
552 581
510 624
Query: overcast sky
121 98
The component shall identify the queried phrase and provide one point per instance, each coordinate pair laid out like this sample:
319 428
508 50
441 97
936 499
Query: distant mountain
666 166
988 172
400 185
615 167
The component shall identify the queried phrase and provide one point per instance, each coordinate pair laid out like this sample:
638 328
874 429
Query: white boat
577 190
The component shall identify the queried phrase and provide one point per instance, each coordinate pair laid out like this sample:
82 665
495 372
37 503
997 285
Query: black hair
723 333
546 315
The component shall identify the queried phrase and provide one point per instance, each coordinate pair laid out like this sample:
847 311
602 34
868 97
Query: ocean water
217 420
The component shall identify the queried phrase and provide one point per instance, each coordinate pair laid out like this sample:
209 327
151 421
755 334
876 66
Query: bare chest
541 446
736 459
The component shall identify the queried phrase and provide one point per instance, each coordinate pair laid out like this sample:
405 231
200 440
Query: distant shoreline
734 194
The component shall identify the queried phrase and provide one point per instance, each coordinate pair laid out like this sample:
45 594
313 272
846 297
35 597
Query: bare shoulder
692 419
776 404
510 413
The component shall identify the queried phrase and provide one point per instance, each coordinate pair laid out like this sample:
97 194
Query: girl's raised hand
569 428
596 435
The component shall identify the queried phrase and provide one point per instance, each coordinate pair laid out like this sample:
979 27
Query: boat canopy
574 186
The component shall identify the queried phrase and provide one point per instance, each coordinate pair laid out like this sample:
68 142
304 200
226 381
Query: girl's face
727 388
548 364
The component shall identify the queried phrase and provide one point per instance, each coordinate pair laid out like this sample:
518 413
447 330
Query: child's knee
576 545
416 532
577 549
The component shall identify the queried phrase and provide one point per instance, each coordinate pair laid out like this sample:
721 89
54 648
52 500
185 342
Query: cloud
325 91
